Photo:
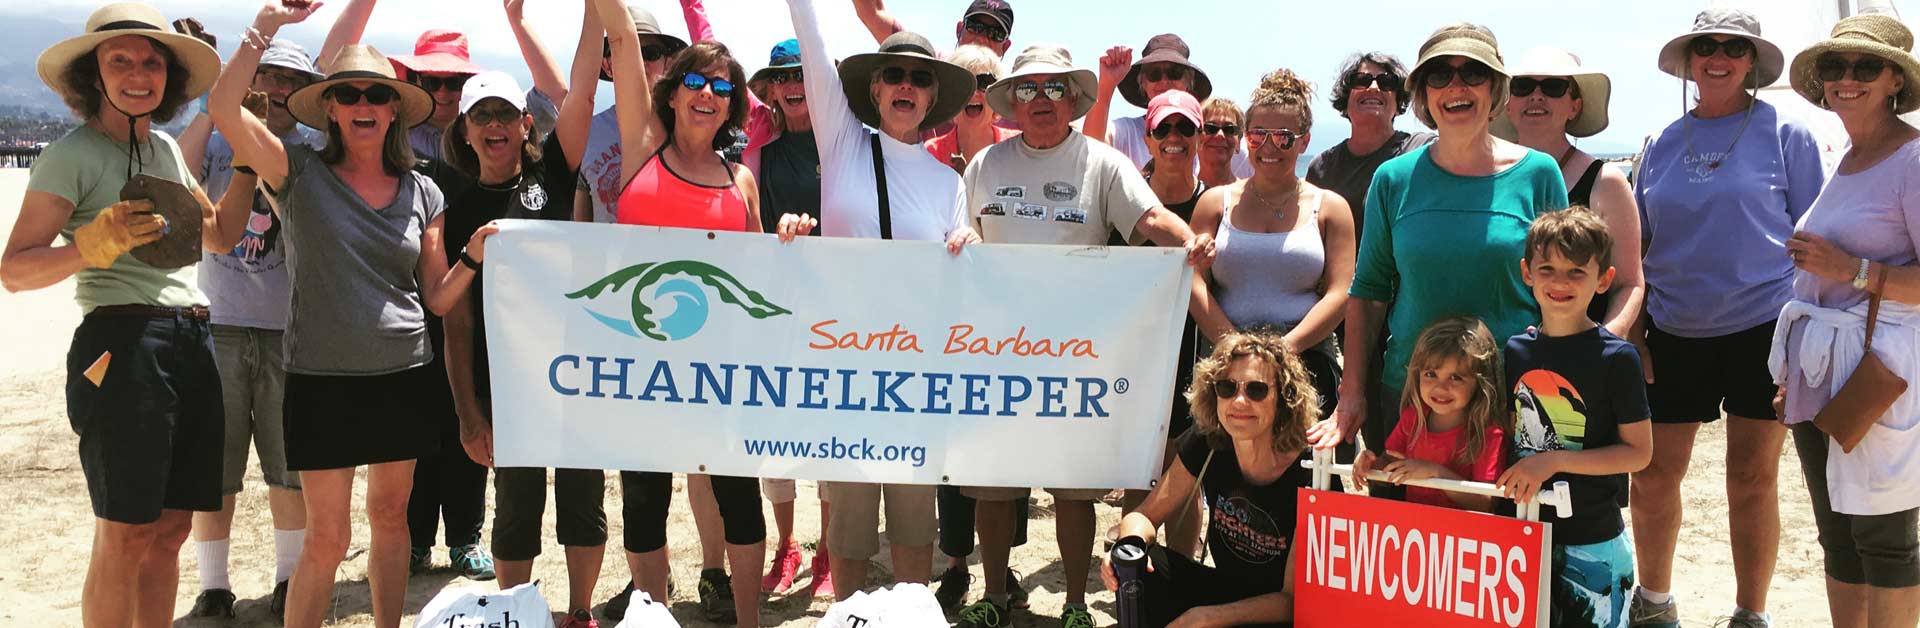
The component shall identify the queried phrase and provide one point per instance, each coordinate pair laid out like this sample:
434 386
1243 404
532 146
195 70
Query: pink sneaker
580 619
786 564
822 584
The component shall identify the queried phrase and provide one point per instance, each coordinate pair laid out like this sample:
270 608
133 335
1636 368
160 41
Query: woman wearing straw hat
1491 190
1551 97
142 389
357 351
878 182
1859 230
1719 191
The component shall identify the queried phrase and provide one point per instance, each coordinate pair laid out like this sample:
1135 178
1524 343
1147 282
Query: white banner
649 349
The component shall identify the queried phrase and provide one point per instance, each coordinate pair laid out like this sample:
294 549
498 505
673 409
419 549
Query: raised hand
1114 66
283 12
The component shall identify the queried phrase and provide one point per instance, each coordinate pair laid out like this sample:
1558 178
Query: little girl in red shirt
1450 421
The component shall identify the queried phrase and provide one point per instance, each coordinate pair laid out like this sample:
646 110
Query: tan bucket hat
1767 61
360 62
1459 40
1040 59
1878 35
955 86
1595 90
131 18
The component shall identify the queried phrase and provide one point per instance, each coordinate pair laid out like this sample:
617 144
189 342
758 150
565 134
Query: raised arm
1113 69
640 131
229 222
576 107
253 143
699 28
346 30
545 70
193 145
835 130
879 21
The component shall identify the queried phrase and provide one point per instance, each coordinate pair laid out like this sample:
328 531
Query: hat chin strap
133 147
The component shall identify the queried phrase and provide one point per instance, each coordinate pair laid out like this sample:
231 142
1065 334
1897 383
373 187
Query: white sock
213 564
286 552
1656 597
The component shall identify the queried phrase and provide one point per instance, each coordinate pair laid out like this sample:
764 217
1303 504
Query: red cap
438 50
1171 103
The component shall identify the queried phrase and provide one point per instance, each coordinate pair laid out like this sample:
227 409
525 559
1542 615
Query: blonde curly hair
1296 401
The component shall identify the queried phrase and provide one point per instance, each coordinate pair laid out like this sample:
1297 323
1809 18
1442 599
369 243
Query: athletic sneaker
471 561
953 587
984 614
1644 614
421 560
716 596
1016 594
616 606
822 583
1076 617
1743 618
213 603
580 619
279 603
780 573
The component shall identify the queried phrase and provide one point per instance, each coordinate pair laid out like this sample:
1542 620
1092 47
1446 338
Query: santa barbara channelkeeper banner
648 349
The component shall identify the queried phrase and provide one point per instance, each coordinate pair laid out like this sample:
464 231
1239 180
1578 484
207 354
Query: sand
45 534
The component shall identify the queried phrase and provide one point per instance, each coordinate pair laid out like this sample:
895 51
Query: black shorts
346 421
151 432
1178 584
1694 379
1874 550
520 497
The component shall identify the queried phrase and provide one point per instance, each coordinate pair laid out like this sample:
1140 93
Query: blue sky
1235 41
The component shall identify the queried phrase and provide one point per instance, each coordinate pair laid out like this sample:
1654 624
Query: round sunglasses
1706 46
694 82
1256 391
1182 126
1832 68
1523 87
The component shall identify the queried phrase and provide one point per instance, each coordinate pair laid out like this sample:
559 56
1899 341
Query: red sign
1396 563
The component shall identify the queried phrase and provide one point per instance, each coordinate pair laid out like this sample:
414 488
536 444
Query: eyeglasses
1551 87
350 95
1154 74
277 79
1362 80
1284 138
1182 126
1055 90
1228 389
895 75
1832 68
453 83
789 76
485 115
986 30
1706 45
983 81
694 82
1229 129
1440 75
649 53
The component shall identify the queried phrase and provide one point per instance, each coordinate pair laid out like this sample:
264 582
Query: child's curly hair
1296 401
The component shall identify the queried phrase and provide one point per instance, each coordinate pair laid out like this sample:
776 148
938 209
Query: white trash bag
643 612
518 607
906 605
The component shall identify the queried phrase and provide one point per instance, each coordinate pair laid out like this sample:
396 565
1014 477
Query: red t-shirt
1440 447
946 146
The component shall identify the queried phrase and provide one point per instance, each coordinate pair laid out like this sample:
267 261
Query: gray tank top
1269 278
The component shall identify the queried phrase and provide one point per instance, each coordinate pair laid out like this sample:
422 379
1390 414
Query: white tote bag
518 607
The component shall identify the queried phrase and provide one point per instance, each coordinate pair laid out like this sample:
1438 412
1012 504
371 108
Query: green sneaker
1644 614
420 560
984 614
471 561
716 596
1076 617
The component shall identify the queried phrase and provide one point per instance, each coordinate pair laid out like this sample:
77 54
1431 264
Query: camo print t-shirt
1249 526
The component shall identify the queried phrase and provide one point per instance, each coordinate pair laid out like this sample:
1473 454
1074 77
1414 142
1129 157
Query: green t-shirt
87 168
1439 244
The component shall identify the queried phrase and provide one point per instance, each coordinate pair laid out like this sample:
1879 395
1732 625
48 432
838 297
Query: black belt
197 312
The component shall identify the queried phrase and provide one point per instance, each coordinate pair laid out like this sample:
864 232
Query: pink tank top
659 197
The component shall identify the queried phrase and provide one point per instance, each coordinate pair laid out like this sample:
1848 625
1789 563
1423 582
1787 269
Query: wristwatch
1860 278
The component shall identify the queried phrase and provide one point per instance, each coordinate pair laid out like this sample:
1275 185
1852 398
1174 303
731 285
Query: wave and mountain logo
670 300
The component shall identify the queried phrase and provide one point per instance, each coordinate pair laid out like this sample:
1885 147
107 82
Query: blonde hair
1467 339
1223 105
1296 403
1286 90
977 59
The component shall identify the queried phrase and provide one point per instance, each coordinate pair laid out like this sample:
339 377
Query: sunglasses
986 30
1440 75
483 116
896 75
1182 126
350 95
1154 74
1228 129
1284 138
1228 389
983 81
1832 68
1054 90
453 83
790 76
1362 80
694 82
1705 46
276 79
1552 87
649 53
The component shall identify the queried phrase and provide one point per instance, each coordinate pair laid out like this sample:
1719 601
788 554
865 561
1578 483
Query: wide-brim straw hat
955 84
131 18
360 62
1041 59
1459 40
1767 62
1595 90
1164 48
1878 35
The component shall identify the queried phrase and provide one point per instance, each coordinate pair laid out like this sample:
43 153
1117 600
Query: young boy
1580 416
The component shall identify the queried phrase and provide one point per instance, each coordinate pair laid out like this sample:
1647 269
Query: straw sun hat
359 62
131 18
1877 35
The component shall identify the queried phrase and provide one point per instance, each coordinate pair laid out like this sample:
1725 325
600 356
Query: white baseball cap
493 84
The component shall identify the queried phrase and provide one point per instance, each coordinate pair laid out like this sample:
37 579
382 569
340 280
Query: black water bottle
1129 560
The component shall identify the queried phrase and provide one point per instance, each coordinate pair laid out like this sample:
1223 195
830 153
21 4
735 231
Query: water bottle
1129 560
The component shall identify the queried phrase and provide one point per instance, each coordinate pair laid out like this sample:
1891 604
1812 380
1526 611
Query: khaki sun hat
1458 40
1877 35
1041 59
1595 90
131 18
955 84
360 62
1767 61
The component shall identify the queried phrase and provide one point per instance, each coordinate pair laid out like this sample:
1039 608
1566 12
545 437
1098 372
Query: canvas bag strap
880 185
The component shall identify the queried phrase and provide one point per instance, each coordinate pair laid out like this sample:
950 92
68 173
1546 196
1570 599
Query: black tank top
1582 194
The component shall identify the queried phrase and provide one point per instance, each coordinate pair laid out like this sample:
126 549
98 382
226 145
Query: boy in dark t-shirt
1580 416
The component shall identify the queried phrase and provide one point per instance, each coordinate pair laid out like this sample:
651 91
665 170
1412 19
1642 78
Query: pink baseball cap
1171 103
438 50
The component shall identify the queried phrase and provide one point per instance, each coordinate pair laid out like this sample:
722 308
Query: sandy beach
46 533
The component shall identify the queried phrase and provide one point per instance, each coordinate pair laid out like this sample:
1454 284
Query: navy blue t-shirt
789 178
1573 393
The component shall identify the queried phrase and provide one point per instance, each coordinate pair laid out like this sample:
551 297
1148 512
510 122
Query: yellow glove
255 102
117 230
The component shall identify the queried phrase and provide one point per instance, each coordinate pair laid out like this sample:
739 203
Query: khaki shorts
1010 493
854 531
779 491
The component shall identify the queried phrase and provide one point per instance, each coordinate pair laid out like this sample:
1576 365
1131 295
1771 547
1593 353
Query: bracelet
468 261
258 41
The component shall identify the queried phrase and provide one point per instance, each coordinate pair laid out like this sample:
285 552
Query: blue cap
785 54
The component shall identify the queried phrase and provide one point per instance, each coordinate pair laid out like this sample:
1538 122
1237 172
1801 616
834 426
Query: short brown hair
694 59
83 80
1576 233
460 155
1296 402
1223 105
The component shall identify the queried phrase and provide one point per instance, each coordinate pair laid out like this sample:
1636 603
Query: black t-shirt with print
1573 393
789 179
1249 527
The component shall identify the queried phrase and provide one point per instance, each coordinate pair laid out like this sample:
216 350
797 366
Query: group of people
1481 282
